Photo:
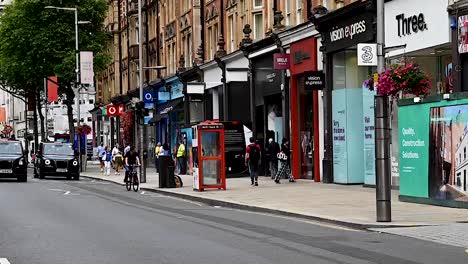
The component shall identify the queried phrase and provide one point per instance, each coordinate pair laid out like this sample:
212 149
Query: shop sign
349 32
299 56
281 61
115 110
164 96
416 24
412 24
314 80
367 54
463 34
148 96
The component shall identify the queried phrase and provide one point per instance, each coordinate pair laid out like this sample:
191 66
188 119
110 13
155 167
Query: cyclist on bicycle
131 159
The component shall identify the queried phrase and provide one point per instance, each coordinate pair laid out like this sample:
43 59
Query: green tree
36 42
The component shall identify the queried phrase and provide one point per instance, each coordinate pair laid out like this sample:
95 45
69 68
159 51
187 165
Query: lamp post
382 130
77 69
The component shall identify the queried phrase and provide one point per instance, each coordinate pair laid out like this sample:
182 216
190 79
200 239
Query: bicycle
132 180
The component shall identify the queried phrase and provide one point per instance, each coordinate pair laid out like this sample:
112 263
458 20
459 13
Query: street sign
314 80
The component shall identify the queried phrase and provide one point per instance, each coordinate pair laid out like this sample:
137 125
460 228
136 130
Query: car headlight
47 162
75 163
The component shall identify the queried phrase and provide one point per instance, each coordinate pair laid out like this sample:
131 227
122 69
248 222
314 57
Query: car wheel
41 175
23 178
76 177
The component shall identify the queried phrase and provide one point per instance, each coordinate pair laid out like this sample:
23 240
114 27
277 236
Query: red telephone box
211 165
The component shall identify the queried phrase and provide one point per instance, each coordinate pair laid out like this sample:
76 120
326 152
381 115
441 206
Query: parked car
56 159
13 160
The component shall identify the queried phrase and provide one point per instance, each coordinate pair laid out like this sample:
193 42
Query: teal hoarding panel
369 139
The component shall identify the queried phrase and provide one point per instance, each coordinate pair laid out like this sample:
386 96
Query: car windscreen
10 148
58 149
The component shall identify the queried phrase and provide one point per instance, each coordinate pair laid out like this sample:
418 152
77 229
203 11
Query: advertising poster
448 163
340 159
348 136
369 138
463 34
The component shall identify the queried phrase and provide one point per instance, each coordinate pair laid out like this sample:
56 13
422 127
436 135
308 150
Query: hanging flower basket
83 129
407 79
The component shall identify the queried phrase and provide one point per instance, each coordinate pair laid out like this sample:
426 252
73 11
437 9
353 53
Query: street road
58 222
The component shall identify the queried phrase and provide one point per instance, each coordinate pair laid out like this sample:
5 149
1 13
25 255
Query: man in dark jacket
272 154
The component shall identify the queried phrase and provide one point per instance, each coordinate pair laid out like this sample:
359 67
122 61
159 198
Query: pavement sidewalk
352 206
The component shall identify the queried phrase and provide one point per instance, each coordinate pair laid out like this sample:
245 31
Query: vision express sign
349 32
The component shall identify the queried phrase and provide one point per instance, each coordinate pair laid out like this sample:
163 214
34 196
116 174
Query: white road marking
67 192
4 261
142 192
57 190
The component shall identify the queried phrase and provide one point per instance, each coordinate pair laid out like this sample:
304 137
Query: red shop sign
281 61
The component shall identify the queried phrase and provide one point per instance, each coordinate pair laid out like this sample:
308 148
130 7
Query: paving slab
350 205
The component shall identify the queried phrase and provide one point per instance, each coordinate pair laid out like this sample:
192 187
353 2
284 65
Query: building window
242 6
299 11
258 3
258 26
137 37
287 11
189 49
91 101
210 41
216 37
232 34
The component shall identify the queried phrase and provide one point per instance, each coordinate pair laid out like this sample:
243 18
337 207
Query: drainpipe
119 27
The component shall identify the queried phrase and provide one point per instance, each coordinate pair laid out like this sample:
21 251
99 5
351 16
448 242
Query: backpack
254 154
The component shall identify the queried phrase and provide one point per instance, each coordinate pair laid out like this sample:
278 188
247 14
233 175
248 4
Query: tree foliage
36 42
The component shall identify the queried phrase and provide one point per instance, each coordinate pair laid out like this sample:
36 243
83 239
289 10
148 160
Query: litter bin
166 172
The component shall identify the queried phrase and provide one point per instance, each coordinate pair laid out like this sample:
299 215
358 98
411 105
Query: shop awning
164 109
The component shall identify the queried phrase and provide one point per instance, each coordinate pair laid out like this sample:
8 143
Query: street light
77 69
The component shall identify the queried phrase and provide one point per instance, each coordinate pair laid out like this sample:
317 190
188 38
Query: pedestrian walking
157 150
182 158
253 156
107 159
284 156
272 152
100 154
117 159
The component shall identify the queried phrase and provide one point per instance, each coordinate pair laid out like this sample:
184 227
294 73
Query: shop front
348 108
305 111
267 96
420 33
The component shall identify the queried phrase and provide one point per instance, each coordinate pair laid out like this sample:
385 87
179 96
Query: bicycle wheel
128 184
136 183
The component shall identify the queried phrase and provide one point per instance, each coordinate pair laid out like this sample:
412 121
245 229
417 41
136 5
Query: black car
13 160
56 159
